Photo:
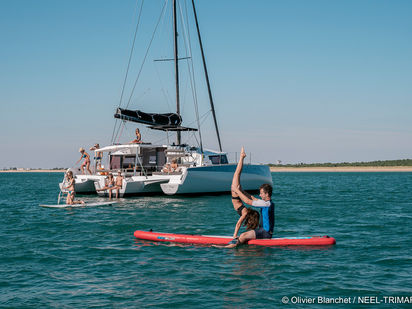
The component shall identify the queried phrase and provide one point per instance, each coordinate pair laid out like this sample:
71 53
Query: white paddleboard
79 205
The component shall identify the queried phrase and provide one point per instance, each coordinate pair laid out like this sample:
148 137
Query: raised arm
81 157
248 199
247 194
239 224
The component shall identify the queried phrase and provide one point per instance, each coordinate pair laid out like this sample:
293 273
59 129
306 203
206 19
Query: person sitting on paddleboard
267 212
236 201
70 190
86 161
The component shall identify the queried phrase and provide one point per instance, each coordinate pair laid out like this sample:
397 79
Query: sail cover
170 119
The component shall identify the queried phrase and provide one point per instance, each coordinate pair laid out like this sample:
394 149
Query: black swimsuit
239 210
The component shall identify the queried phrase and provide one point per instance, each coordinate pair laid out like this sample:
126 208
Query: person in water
138 139
98 156
119 183
109 185
86 162
70 190
236 201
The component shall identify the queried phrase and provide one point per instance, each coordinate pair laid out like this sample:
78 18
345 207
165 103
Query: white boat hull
85 183
210 179
135 185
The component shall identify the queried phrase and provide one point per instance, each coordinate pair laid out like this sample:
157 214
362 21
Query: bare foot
242 153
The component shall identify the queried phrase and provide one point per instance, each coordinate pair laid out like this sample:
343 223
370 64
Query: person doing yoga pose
236 201
267 208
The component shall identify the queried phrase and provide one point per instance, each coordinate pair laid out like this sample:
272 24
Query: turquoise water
88 257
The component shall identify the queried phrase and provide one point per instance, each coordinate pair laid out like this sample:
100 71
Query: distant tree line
403 162
36 168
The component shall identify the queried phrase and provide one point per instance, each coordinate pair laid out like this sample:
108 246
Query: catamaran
142 165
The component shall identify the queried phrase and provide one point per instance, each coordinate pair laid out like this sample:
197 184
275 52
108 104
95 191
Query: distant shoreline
277 169
33 171
343 169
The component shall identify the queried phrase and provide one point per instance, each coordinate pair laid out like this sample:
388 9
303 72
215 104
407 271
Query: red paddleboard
224 240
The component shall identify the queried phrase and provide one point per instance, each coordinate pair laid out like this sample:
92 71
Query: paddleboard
224 240
79 205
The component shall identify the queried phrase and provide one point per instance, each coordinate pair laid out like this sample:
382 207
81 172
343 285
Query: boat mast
178 136
207 76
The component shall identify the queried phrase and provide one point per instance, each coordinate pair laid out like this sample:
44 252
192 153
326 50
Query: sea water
88 257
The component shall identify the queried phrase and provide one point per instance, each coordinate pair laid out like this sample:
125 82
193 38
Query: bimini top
127 148
164 122
170 119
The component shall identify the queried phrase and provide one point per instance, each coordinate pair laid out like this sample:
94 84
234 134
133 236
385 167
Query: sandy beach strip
344 169
277 169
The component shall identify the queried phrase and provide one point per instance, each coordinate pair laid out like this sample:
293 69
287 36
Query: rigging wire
131 52
192 77
144 58
130 60
163 89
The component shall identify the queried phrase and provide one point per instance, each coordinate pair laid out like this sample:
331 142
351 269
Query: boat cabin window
115 162
122 162
128 162
218 159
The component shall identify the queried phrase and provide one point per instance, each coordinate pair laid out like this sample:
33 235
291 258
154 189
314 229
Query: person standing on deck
98 156
86 162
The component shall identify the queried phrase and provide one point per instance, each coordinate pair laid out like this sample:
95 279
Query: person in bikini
109 185
267 209
86 162
70 190
119 183
248 216
236 200
171 167
138 139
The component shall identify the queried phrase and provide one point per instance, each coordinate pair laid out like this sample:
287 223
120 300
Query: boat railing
233 157
144 170
168 173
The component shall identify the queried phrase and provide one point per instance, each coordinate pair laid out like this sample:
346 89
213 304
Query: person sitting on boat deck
70 190
98 156
119 183
173 167
138 139
86 161
267 212
236 201
109 185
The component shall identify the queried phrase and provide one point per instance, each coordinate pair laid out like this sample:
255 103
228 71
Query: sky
296 81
